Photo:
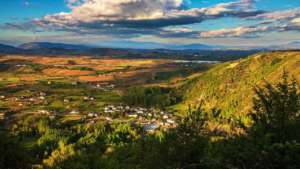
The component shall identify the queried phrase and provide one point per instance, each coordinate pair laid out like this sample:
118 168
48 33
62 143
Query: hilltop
229 86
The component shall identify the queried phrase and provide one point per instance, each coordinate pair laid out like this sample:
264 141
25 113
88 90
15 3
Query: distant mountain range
48 45
7 49
153 45
139 46
132 49
124 45
198 47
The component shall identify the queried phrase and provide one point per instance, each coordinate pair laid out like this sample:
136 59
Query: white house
91 115
74 112
150 127
170 121
165 116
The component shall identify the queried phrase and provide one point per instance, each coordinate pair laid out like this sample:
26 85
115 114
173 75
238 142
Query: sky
118 23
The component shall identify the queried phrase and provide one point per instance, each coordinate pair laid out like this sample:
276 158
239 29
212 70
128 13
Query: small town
150 119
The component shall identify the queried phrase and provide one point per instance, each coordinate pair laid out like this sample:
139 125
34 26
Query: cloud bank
133 18
278 21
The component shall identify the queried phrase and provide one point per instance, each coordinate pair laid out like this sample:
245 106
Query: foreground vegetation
272 141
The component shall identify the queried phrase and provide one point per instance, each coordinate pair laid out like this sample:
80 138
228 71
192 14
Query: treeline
271 142
151 97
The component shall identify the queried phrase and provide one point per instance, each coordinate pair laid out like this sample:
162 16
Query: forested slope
229 86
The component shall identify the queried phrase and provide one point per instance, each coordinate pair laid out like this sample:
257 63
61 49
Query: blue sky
97 22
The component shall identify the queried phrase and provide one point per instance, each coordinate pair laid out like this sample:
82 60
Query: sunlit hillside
229 86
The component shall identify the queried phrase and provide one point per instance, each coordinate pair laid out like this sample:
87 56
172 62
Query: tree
12 154
185 146
276 109
273 140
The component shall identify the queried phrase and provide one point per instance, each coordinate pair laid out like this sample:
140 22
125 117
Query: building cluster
38 98
151 119
103 86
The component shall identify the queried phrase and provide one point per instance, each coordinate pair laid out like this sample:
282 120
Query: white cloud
279 15
142 13
252 31
235 32
91 10
275 21
135 17
296 21
243 5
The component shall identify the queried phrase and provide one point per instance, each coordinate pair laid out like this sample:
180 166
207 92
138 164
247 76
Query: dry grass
86 60
66 72
29 78
233 65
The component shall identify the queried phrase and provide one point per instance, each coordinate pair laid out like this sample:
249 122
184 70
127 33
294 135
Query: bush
151 97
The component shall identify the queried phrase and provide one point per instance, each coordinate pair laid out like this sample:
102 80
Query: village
150 119
74 99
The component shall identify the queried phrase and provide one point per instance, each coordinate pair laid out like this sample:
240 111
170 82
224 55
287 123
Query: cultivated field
122 72
85 84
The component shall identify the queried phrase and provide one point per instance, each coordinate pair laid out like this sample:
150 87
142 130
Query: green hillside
229 86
